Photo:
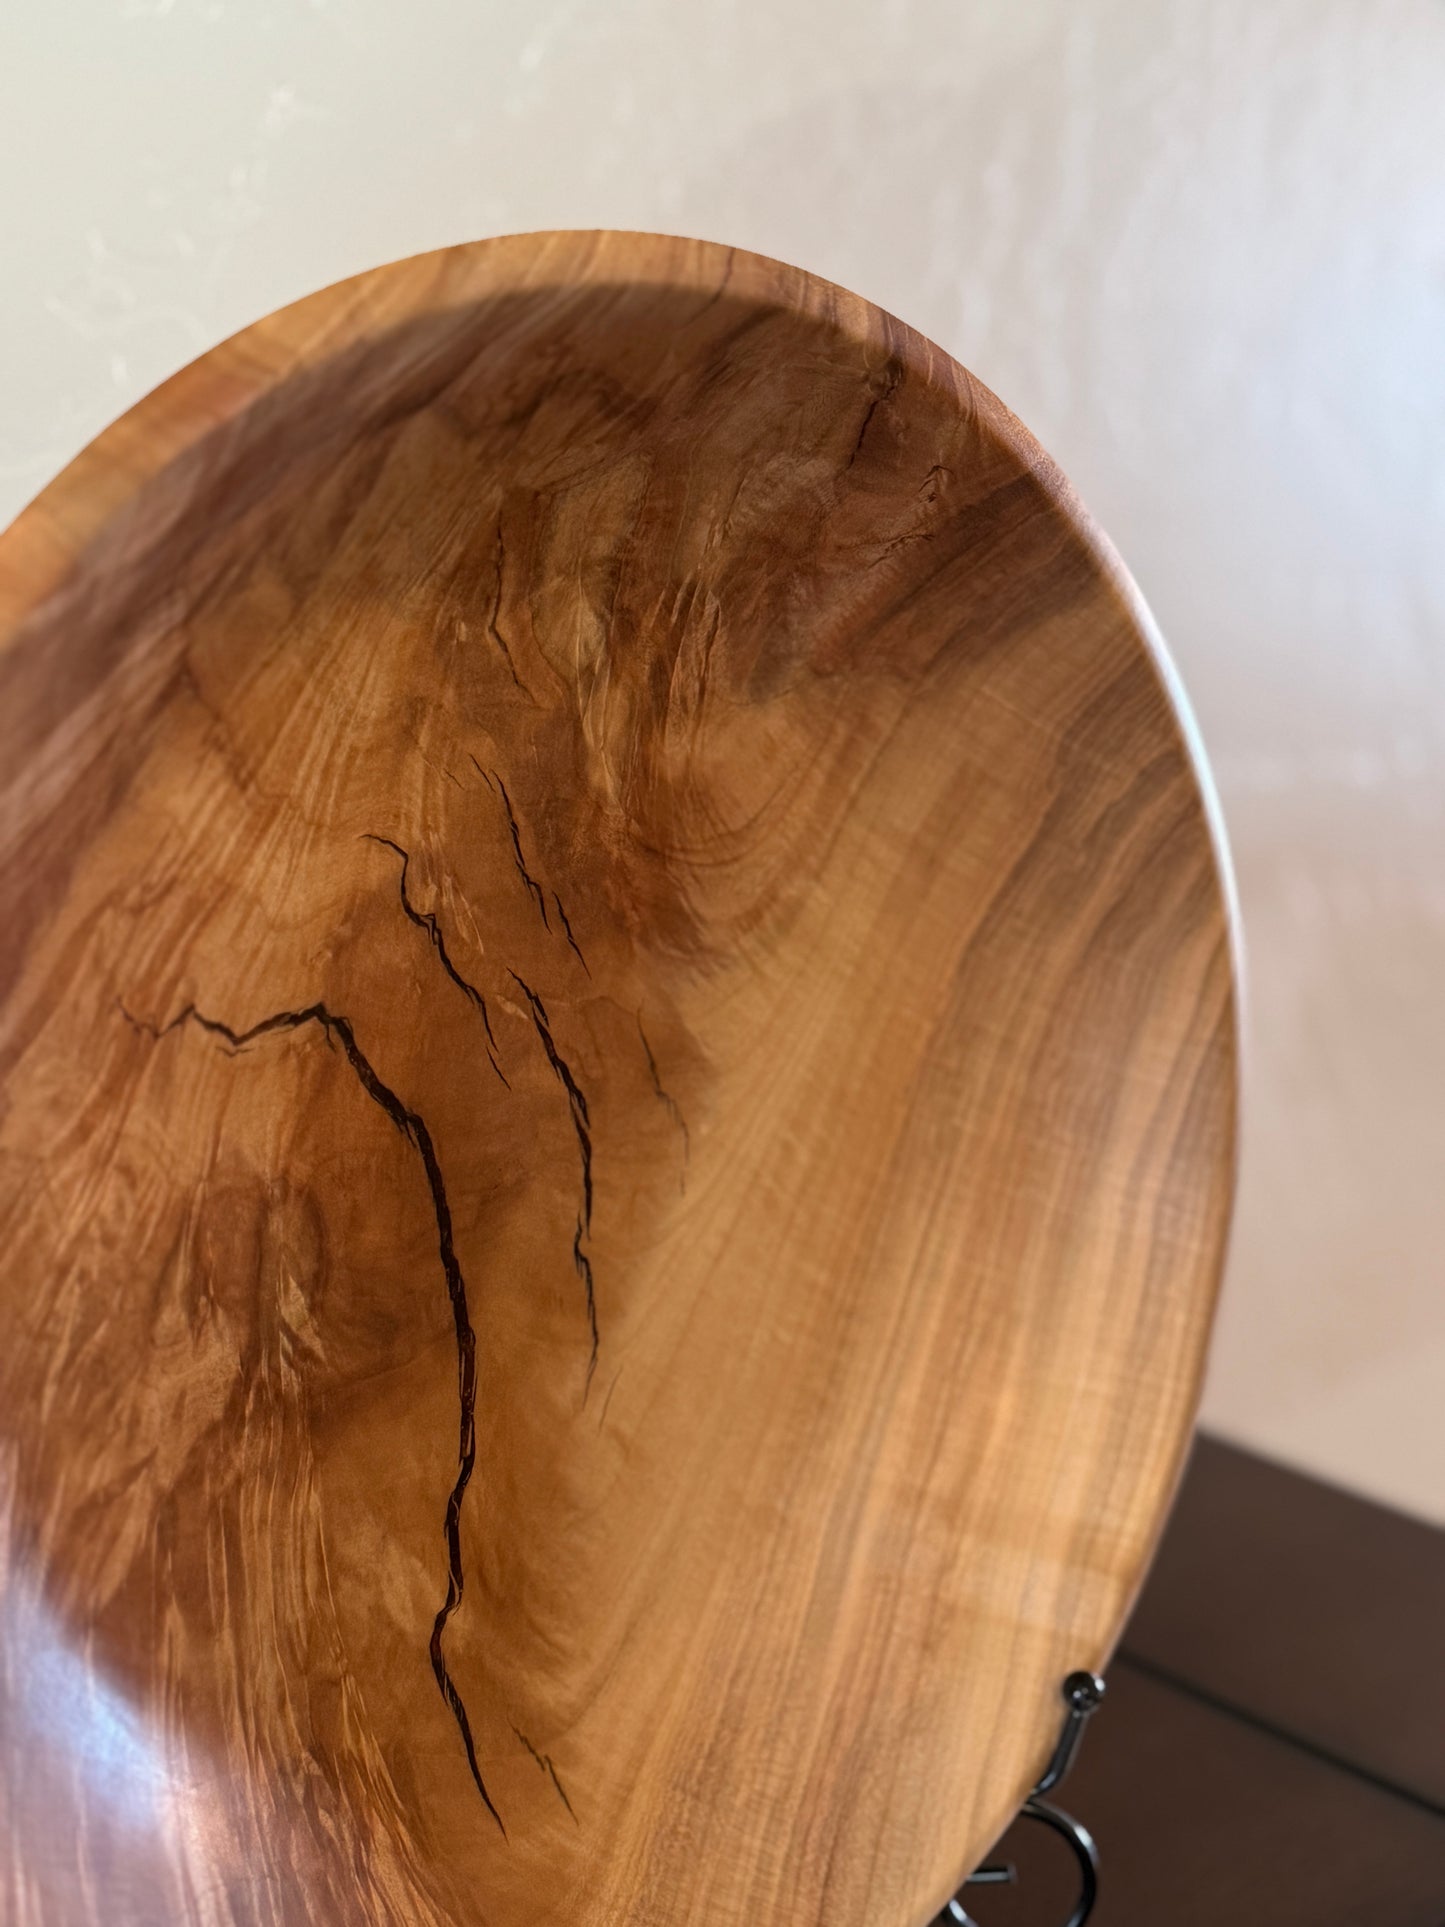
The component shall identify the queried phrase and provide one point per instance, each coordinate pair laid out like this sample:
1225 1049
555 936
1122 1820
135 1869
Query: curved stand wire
1083 1693
1085 1852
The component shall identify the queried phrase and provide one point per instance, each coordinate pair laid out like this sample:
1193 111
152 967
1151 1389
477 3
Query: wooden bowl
619 1069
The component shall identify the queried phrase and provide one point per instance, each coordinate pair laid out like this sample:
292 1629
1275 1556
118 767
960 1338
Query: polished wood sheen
619 1067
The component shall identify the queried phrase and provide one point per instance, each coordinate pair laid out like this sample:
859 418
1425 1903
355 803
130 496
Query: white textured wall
1198 244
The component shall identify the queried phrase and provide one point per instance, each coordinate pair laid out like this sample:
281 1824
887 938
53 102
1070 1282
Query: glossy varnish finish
619 1066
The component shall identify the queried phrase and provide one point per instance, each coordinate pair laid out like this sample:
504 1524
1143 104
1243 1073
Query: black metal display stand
1083 1693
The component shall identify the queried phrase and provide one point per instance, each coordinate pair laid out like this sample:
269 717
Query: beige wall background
1199 245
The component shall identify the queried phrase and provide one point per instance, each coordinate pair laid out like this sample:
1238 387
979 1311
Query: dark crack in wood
573 944
494 619
607 1402
893 375
668 1101
494 782
582 1127
338 1030
544 1760
426 920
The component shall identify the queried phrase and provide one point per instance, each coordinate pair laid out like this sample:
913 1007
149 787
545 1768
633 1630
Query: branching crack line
544 1760
892 377
337 1030
582 1126
538 895
426 920
494 781
668 1100
494 619
567 933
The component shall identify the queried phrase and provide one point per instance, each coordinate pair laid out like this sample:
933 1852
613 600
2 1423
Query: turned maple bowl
619 1054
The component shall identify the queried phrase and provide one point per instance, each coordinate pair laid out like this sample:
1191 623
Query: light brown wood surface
618 1053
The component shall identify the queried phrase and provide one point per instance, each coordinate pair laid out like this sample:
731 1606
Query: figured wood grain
618 1049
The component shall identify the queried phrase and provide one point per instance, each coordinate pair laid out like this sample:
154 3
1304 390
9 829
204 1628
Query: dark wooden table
1272 1749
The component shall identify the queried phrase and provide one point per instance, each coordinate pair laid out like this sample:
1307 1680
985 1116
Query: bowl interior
619 1072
